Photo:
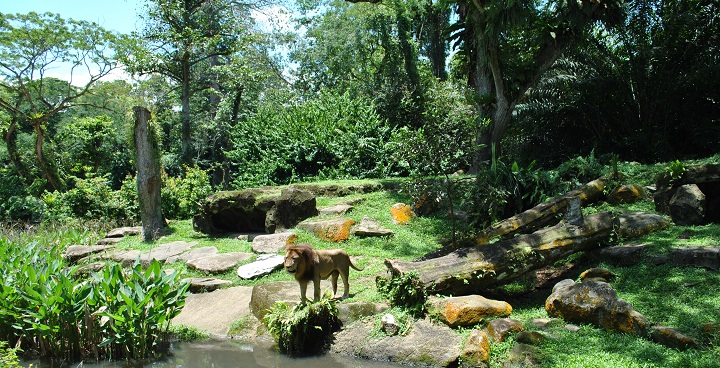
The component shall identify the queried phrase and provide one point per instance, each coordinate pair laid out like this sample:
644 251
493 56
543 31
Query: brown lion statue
308 264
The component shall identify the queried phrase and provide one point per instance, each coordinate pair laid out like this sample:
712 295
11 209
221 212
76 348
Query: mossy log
472 269
541 215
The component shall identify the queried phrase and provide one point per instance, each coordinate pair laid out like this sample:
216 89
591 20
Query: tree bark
47 169
147 158
472 269
541 215
11 144
187 154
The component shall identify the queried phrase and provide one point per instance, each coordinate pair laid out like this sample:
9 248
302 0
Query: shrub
16 202
115 315
90 198
8 356
504 190
303 329
404 291
180 196
333 136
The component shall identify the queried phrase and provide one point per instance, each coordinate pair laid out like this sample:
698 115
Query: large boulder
628 193
687 205
289 209
595 302
252 210
466 310
705 177
426 344
333 230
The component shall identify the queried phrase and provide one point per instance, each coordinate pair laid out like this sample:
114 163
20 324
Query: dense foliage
56 311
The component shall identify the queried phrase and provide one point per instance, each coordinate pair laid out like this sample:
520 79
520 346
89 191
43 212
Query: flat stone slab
215 311
272 243
74 253
126 257
205 284
108 241
193 254
218 263
161 253
696 256
264 265
165 251
426 344
124 231
369 227
338 209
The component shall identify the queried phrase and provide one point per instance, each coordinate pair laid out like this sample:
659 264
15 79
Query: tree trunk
147 159
438 20
470 270
47 169
187 154
541 215
11 144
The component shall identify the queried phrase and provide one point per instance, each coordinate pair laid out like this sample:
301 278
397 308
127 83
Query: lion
308 264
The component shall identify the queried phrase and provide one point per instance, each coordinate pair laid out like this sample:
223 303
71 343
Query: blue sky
116 15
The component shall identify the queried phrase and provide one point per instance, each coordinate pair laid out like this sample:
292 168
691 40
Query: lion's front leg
303 291
316 284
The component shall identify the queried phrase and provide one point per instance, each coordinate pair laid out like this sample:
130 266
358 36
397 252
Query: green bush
90 198
16 201
180 196
45 304
8 356
404 291
303 329
333 136
503 190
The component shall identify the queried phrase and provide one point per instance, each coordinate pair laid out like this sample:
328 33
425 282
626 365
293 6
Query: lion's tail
355 267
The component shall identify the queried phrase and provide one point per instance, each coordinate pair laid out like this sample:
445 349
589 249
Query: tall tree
183 36
508 45
31 46
647 90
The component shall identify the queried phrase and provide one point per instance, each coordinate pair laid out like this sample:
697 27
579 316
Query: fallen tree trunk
472 269
541 215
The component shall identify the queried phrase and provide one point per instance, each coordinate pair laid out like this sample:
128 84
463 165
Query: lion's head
299 259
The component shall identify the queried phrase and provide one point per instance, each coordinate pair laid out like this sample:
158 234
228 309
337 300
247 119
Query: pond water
231 354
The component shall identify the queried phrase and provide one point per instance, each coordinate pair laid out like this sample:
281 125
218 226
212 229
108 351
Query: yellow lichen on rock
401 213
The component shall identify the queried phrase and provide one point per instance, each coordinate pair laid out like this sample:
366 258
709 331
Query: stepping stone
90 268
165 251
335 230
369 227
126 257
205 284
74 253
192 254
272 243
161 253
109 241
124 231
214 312
338 209
264 265
218 263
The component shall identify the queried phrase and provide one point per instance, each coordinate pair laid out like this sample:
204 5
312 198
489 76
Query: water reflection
232 354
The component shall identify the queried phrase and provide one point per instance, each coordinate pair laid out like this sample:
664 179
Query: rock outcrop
253 210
